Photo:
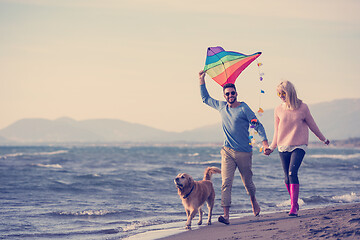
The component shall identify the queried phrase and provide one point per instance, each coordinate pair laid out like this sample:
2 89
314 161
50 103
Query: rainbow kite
225 66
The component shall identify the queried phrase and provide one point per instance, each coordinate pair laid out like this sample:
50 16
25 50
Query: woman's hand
268 151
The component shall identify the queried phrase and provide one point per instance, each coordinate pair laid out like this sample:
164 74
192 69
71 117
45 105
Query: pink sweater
292 126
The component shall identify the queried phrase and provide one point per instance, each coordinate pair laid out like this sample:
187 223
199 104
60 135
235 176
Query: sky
138 60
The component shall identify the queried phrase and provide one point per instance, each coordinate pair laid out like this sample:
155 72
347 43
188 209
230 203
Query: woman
292 120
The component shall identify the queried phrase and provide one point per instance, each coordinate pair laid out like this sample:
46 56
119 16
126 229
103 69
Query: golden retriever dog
195 193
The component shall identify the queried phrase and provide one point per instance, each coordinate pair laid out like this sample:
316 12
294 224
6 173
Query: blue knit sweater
235 122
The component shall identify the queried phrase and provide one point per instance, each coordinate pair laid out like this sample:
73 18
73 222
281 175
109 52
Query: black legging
291 162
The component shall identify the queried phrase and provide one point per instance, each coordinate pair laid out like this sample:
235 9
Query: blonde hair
291 100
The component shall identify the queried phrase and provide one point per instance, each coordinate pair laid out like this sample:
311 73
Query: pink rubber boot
294 195
288 188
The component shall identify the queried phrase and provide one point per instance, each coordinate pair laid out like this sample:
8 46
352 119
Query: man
236 152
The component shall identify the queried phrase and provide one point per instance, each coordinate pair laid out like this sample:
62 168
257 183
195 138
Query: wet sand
332 222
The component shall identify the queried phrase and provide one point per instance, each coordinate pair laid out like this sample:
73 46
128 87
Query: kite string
260 111
260 82
261 74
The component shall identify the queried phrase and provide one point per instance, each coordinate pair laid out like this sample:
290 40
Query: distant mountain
69 130
338 119
3 140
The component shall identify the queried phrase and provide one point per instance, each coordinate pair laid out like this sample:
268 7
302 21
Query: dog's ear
191 181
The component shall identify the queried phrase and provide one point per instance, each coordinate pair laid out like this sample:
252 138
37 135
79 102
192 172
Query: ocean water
126 191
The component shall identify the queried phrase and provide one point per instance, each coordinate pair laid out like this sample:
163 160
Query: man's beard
231 101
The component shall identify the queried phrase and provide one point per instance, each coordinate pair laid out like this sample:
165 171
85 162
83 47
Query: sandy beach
332 222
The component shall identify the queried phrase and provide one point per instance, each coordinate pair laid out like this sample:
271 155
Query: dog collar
187 195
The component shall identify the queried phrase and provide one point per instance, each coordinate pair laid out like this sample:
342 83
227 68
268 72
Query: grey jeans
230 160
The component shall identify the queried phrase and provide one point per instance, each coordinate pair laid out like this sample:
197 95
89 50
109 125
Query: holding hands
268 151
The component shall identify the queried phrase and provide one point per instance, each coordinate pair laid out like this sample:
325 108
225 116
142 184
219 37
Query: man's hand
266 147
268 151
202 77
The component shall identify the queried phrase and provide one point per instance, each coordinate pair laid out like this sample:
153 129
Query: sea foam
336 156
347 198
203 163
87 213
33 154
47 165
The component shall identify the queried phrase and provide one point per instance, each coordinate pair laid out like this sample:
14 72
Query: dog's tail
210 171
